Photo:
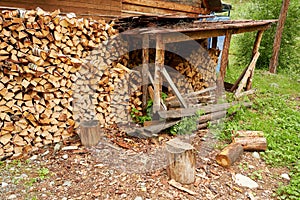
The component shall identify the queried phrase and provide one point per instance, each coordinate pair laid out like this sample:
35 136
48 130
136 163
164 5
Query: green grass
276 112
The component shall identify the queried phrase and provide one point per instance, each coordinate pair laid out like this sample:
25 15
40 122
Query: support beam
145 70
174 88
225 53
254 51
247 74
159 63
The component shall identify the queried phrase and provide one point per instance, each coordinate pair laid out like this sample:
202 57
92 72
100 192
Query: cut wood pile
44 58
59 71
241 141
191 71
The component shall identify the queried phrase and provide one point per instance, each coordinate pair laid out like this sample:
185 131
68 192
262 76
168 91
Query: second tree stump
181 161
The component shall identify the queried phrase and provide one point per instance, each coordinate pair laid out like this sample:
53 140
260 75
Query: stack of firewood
45 65
58 71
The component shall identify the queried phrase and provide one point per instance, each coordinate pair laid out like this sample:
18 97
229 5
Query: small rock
65 198
65 156
51 183
143 187
256 155
34 157
123 196
274 85
138 198
285 176
251 167
245 181
23 176
13 196
3 184
250 196
67 183
57 147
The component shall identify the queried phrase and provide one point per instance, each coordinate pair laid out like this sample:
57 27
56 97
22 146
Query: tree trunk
278 36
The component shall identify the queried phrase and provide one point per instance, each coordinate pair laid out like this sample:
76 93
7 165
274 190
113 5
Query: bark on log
181 161
229 154
252 143
243 133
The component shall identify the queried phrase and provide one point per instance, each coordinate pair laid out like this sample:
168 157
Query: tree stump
90 132
181 161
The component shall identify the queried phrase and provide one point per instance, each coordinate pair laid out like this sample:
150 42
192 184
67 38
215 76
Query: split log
229 154
181 161
252 143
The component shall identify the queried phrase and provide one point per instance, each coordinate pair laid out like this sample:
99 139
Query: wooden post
90 132
145 70
278 36
181 161
257 42
214 42
159 63
225 53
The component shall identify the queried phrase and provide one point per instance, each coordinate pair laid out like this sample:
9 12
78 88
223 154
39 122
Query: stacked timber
44 59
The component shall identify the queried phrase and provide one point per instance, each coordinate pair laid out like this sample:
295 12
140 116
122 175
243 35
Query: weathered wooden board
80 7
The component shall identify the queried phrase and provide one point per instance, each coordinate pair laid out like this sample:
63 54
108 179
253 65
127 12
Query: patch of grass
276 112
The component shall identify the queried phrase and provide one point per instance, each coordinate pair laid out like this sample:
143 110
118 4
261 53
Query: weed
31 181
187 125
257 175
43 173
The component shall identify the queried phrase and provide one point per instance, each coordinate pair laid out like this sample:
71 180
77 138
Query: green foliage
43 173
269 9
276 112
257 175
138 116
187 125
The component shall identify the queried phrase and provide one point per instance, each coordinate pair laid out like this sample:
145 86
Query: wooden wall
108 8
162 7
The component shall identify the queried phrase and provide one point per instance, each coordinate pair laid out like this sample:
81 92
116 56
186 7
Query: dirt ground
120 167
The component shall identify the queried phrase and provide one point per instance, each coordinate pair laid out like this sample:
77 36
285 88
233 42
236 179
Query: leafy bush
269 9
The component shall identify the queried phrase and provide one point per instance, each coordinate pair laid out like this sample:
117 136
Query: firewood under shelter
195 31
163 35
